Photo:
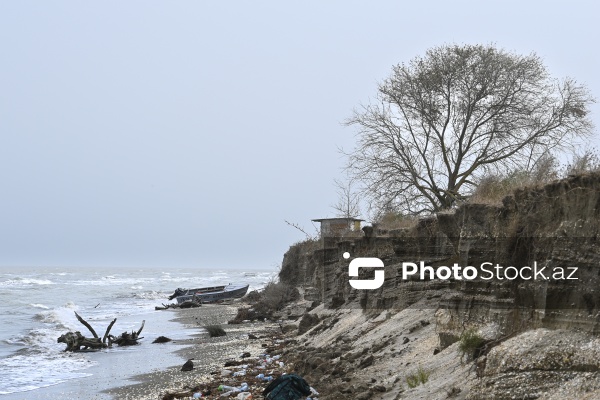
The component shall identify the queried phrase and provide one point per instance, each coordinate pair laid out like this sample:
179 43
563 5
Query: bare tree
444 120
348 203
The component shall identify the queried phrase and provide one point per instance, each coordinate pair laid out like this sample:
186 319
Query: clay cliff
514 321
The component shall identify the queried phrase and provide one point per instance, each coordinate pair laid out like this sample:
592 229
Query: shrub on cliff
470 341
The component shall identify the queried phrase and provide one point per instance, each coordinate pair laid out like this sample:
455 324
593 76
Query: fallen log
75 341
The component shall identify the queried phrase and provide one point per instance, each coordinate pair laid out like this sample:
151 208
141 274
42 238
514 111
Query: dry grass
418 378
392 220
492 189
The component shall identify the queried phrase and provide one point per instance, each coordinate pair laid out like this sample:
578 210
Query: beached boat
210 294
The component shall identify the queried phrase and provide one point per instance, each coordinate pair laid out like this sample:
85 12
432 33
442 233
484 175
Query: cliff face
555 226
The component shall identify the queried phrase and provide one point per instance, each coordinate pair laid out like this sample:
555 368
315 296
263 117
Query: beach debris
162 339
188 366
75 341
195 392
264 378
190 304
231 390
287 387
186 304
247 378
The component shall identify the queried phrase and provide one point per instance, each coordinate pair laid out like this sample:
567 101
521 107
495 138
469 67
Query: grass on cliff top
491 189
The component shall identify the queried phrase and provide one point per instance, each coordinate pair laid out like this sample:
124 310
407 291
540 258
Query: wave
145 295
18 374
26 282
35 305
61 317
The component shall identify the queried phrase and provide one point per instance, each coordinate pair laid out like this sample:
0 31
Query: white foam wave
36 305
61 317
20 373
145 295
25 282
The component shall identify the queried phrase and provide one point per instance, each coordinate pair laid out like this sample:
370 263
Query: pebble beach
209 356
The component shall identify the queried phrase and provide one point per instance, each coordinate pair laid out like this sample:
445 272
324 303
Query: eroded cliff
554 227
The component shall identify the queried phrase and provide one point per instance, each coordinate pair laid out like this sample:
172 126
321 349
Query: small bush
215 330
469 342
272 298
277 295
252 297
418 378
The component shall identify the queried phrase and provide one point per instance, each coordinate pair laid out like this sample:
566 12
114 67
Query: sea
37 305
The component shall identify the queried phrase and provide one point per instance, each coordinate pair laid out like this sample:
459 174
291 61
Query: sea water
37 305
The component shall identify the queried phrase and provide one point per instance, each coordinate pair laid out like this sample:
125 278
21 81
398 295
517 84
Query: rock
366 362
288 328
188 366
535 362
307 322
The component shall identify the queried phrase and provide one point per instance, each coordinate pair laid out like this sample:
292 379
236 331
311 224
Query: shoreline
208 354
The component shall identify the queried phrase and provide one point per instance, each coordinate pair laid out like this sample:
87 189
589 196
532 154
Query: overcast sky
184 133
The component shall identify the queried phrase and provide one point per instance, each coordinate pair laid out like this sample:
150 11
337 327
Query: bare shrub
252 297
275 296
272 298
586 162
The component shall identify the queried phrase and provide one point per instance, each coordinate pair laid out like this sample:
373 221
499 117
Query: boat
209 294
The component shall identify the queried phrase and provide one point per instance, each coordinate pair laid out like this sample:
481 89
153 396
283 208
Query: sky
185 133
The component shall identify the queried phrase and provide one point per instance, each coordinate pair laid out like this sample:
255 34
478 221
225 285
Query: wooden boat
210 294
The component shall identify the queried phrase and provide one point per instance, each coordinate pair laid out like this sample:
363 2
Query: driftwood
186 304
75 341
126 338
